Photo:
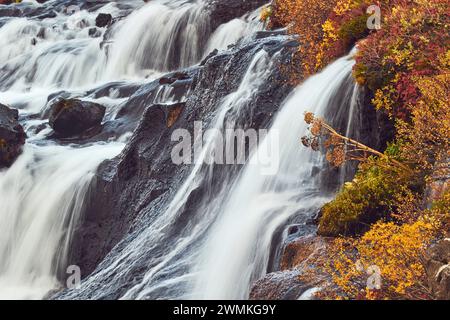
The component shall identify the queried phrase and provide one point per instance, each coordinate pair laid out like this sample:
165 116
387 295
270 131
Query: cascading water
234 30
42 196
236 251
60 52
164 35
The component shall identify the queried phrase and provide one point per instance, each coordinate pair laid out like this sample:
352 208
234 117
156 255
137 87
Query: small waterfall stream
42 196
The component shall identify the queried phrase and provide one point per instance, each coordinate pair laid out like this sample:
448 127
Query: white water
232 31
162 35
236 252
161 32
42 196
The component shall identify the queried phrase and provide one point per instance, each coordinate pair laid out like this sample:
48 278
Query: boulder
73 117
12 136
282 285
439 183
103 20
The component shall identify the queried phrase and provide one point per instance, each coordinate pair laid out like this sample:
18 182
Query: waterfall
42 196
225 244
214 248
164 35
234 30
60 52
236 250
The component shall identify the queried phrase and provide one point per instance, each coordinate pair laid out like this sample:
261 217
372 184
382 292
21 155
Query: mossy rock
360 203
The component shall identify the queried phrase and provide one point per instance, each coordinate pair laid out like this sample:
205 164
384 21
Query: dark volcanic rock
74 117
12 136
112 211
103 20
131 190
174 77
94 32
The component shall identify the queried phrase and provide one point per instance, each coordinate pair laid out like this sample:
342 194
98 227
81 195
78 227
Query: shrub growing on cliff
304 18
367 199
387 262
371 195
414 37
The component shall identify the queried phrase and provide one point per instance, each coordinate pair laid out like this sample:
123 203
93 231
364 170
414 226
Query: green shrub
362 202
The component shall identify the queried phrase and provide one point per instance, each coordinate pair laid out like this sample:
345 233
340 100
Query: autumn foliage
304 18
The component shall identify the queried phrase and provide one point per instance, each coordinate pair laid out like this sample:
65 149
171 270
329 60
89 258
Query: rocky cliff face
286 284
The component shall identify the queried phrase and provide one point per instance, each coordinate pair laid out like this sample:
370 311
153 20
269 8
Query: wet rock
12 136
279 286
302 250
173 77
224 11
174 86
73 117
103 20
94 32
108 218
287 284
